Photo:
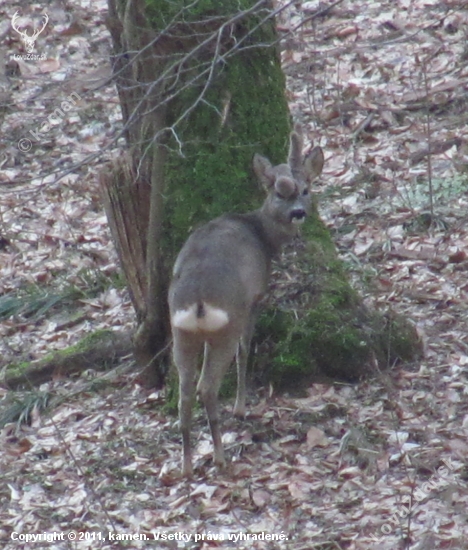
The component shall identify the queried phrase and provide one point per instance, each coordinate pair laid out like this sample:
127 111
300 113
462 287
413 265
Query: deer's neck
271 233
277 233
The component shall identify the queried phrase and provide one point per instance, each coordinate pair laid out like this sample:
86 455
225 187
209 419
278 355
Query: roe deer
219 277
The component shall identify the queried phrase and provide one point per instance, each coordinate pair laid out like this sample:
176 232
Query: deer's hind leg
242 357
187 348
219 354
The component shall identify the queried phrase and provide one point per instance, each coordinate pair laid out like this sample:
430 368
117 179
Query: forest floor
382 86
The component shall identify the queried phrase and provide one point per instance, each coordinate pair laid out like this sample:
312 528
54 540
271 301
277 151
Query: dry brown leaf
260 498
316 438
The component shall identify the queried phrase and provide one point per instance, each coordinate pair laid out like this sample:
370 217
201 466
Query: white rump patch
186 319
214 319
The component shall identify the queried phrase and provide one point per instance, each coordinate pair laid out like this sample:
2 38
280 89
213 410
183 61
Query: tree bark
126 203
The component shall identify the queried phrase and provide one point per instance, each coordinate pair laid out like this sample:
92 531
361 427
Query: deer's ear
262 168
313 164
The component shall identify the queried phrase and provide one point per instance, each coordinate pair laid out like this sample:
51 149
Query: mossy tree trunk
201 92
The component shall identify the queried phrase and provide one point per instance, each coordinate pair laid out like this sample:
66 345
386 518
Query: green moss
244 111
320 242
322 341
15 369
323 330
164 12
172 394
88 342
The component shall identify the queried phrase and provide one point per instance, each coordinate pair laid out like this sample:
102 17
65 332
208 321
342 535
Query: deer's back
226 263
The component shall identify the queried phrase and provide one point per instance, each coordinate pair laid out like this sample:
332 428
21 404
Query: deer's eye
305 192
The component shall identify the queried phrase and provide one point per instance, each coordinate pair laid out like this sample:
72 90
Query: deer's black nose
297 214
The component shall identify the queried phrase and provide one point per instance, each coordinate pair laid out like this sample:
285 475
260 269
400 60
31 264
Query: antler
14 19
36 33
295 150
28 40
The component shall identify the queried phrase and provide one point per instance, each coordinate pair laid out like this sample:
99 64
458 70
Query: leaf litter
381 85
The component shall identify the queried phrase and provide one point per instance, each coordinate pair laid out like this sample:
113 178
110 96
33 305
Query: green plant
19 407
417 197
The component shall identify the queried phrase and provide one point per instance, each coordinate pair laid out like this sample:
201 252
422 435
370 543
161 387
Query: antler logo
28 41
